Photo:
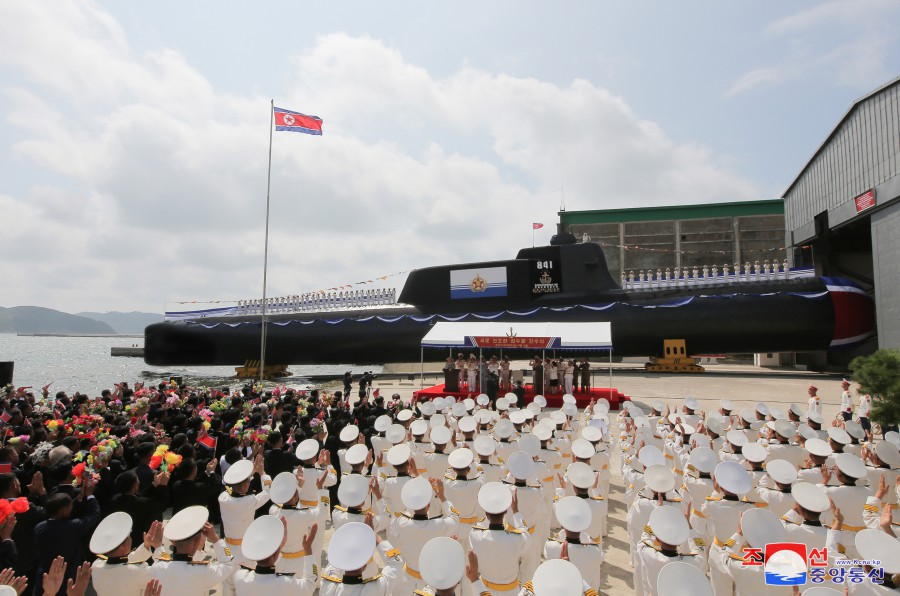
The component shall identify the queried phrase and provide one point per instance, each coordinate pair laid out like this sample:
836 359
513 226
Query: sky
134 137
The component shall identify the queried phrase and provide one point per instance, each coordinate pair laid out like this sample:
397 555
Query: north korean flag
297 122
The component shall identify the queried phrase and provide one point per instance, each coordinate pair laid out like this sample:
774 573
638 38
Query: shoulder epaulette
341 508
480 528
372 579
599 498
332 578
421 593
511 530
711 498
206 562
529 588
394 552
590 592
790 521
648 530
700 542
165 557
676 500
649 544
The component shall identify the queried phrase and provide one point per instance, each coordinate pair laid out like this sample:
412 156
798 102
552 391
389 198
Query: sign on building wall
865 201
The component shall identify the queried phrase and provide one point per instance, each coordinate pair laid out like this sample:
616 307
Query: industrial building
842 213
683 236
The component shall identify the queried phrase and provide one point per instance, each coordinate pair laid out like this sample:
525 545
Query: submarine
739 310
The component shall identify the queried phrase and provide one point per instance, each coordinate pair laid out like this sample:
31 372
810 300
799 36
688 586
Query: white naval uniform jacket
749 580
128 577
299 521
188 578
653 560
410 534
499 552
587 555
238 513
310 495
799 530
378 584
250 582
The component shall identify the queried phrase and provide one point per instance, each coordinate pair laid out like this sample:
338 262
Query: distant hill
34 319
125 322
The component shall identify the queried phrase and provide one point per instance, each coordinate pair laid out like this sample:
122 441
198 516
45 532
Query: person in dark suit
189 486
143 508
143 470
23 534
278 460
63 535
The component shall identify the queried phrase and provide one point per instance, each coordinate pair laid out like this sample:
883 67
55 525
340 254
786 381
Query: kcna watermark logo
789 564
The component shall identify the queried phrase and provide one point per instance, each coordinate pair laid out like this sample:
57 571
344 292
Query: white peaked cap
262 538
580 475
511 397
404 415
850 465
504 428
484 416
484 445
395 433
460 458
686 429
855 430
726 404
778 413
761 526
592 434
442 563
439 404
691 402
658 405
762 408
570 410
440 435
419 427
351 546
353 490
736 438
467 424
517 417
839 435
892 436
349 433
382 423
238 472
733 478
482 399
715 424
437 420
557 577
878 545
540 400
568 398
533 408
704 459
797 410
754 452
659 478
416 494
816 417
399 454
888 453
284 487
682 579
520 465
529 443
700 440
8 591
583 449
427 408
528 413
650 455
781 471
458 410
307 449
494 497
356 454
603 405
573 513
111 532
785 429
543 432
669 525
807 432
502 404
818 447
469 403
810 497
186 523
558 417
748 415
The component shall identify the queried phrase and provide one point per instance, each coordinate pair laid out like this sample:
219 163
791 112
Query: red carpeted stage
553 401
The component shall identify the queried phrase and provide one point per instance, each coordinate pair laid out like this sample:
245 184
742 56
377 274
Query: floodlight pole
262 336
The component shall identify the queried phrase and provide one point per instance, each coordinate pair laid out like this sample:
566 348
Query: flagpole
262 340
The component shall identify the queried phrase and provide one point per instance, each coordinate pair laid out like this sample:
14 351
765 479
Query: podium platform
583 398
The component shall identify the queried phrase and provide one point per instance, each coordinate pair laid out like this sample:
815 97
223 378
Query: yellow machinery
250 370
675 359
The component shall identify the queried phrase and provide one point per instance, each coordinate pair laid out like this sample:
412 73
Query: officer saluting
263 542
179 574
118 569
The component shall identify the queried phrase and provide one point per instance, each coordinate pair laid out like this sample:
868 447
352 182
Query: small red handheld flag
207 441
537 226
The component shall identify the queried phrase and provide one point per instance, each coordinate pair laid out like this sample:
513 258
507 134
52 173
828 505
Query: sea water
84 364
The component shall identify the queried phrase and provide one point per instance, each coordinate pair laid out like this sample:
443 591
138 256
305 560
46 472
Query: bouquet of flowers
53 425
102 452
164 460
218 406
139 407
302 407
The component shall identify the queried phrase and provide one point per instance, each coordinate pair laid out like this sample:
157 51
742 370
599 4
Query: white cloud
165 175
849 43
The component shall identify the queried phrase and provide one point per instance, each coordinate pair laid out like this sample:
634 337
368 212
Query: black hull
745 323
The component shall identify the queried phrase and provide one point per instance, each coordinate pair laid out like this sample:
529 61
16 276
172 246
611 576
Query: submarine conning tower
538 276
